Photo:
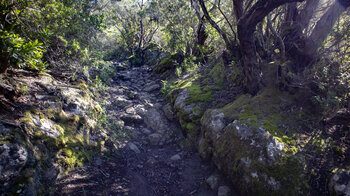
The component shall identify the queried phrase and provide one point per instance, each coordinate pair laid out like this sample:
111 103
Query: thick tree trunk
246 27
278 37
238 8
292 31
4 62
307 13
323 28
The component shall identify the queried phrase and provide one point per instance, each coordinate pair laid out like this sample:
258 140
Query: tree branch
323 27
228 22
214 25
279 38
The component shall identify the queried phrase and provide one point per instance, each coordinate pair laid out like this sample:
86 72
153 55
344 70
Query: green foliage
331 92
218 74
196 94
177 20
105 70
21 53
33 31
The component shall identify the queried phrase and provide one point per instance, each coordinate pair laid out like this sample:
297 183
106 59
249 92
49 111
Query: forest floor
154 159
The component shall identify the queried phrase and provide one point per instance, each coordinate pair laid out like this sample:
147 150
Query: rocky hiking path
150 161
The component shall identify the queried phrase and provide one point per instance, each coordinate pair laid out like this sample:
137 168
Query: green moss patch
218 74
196 94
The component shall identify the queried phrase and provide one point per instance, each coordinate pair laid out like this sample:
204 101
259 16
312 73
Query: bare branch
279 38
228 22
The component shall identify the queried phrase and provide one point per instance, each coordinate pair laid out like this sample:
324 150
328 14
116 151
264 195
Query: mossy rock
168 63
253 159
249 142
218 74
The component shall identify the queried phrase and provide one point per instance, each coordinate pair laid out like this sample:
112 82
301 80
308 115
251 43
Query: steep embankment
65 143
268 144
48 127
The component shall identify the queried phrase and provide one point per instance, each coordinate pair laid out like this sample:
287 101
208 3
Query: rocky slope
153 157
268 144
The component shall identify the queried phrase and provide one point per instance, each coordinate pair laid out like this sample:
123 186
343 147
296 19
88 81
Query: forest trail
153 161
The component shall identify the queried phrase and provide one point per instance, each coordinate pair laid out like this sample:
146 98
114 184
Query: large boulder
13 158
340 183
168 112
188 114
155 138
155 120
253 159
181 102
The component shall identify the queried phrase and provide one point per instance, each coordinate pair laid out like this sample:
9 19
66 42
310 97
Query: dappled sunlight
163 97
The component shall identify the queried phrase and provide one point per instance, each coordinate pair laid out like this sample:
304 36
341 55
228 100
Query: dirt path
151 162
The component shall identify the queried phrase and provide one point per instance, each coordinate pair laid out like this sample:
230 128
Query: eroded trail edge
152 158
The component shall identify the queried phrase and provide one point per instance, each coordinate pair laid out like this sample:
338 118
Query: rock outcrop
340 183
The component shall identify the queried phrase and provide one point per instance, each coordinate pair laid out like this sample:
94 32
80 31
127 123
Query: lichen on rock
253 158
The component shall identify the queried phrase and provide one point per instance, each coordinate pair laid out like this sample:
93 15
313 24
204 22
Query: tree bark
323 27
141 27
246 27
238 8
306 13
201 36
4 62
278 37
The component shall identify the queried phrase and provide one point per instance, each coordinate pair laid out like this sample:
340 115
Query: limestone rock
133 147
176 157
340 183
152 87
125 75
248 144
131 118
130 110
181 98
52 172
224 191
121 102
132 94
140 109
205 150
146 131
46 126
155 138
212 181
156 121
13 158
181 105
150 162
214 122
168 111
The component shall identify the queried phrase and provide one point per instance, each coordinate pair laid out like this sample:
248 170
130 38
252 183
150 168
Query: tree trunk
246 27
278 37
4 62
141 27
306 13
200 33
228 42
292 31
323 28
238 8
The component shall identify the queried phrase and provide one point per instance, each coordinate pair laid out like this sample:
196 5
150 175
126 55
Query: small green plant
23 89
20 52
189 64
